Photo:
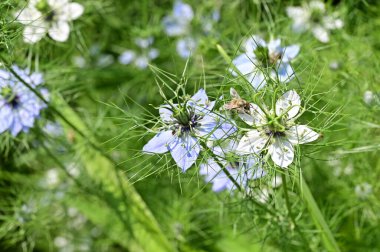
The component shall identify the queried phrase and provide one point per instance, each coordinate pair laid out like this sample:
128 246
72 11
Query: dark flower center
186 120
265 58
11 98
50 16
272 133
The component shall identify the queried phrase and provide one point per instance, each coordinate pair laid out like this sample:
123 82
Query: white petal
34 32
28 16
321 34
73 11
141 62
245 64
285 72
253 142
332 23
301 134
300 18
282 152
59 31
289 104
274 46
256 117
253 42
165 113
257 80
159 143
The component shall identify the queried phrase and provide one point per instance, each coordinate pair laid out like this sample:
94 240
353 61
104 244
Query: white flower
363 190
312 17
275 131
48 16
260 56
368 97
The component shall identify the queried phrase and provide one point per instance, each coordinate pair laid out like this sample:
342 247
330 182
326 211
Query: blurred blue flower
186 46
140 60
19 107
260 57
241 169
185 125
178 22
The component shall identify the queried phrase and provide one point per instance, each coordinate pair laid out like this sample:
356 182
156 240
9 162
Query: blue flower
185 125
19 107
186 46
178 22
140 60
260 56
241 169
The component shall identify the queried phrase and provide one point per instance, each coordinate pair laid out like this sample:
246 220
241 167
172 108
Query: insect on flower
237 103
275 131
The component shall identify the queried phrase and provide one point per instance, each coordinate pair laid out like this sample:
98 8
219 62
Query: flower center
265 58
275 128
316 16
186 119
10 97
44 7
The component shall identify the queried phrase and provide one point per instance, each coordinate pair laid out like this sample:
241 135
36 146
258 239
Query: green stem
326 234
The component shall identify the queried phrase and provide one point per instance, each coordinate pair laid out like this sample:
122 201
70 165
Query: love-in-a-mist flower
312 16
19 106
186 46
185 126
52 17
262 60
275 131
177 23
142 58
241 169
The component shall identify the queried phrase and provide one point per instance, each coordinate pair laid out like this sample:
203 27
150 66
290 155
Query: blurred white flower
48 16
140 59
312 16
368 97
363 190
275 131
52 177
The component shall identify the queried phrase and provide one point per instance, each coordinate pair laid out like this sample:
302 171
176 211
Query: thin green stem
326 234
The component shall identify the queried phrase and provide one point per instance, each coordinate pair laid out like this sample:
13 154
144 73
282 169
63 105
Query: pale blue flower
178 22
19 106
185 125
186 46
260 56
241 169
140 59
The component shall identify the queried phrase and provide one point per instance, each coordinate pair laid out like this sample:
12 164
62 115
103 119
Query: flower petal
72 11
289 104
285 72
290 52
213 173
256 117
6 118
185 47
165 113
159 143
34 32
321 34
127 57
59 31
253 42
300 134
185 151
215 127
282 152
183 11
253 142
274 46
300 18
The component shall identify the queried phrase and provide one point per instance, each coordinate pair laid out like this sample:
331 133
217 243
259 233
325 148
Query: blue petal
183 11
173 27
6 118
215 127
165 113
185 151
159 143
214 174
185 47
285 72
290 52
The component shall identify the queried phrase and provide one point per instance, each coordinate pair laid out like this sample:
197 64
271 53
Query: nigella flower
312 17
275 131
95 58
140 60
261 57
240 169
185 125
186 46
19 107
178 22
48 16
